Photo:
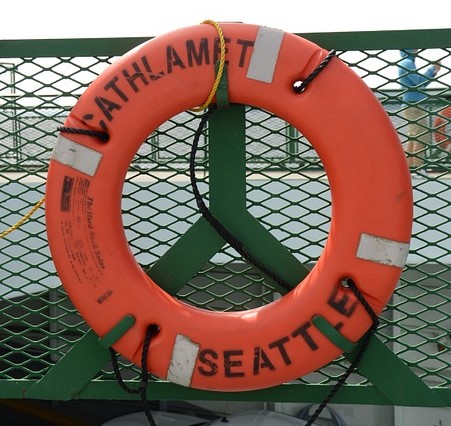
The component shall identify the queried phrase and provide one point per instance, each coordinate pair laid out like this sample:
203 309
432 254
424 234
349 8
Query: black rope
206 213
357 359
145 403
151 331
214 222
102 136
301 88
239 247
363 302
117 374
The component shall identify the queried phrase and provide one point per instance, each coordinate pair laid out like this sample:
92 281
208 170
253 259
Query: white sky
23 19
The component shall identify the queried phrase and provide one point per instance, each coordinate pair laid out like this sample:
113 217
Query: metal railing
39 83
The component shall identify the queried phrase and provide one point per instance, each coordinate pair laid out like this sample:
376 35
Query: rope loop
152 330
210 97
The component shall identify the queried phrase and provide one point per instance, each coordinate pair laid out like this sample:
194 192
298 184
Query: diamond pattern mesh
287 191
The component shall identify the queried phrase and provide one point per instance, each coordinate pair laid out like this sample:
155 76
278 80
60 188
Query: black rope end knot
300 86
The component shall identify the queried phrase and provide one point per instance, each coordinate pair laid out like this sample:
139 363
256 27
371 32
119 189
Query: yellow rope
195 109
23 220
220 69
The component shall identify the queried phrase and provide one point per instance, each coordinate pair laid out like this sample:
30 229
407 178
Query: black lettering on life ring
341 304
198 56
302 332
231 363
207 357
280 345
150 73
173 59
112 84
107 106
244 46
220 349
261 360
137 75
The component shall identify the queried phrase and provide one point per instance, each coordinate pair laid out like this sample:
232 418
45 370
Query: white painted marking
183 360
383 251
264 54
76 156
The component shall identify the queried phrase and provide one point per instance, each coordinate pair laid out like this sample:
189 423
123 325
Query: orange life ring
369 231
442 125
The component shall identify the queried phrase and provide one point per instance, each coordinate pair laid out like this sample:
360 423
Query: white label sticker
76 156
264 55
183 360
383 251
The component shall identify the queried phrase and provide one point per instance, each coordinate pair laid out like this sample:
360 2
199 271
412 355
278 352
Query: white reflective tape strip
76 156
264 55
383 251
183 360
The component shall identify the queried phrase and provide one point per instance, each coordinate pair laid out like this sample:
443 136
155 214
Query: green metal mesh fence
287 191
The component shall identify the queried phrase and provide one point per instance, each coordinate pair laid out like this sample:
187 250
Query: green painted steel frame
393 383
423 39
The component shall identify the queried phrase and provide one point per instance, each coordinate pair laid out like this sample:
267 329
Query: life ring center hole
280 198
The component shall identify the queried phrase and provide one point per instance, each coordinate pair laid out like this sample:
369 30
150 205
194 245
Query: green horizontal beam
290 392
395 39
68 47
